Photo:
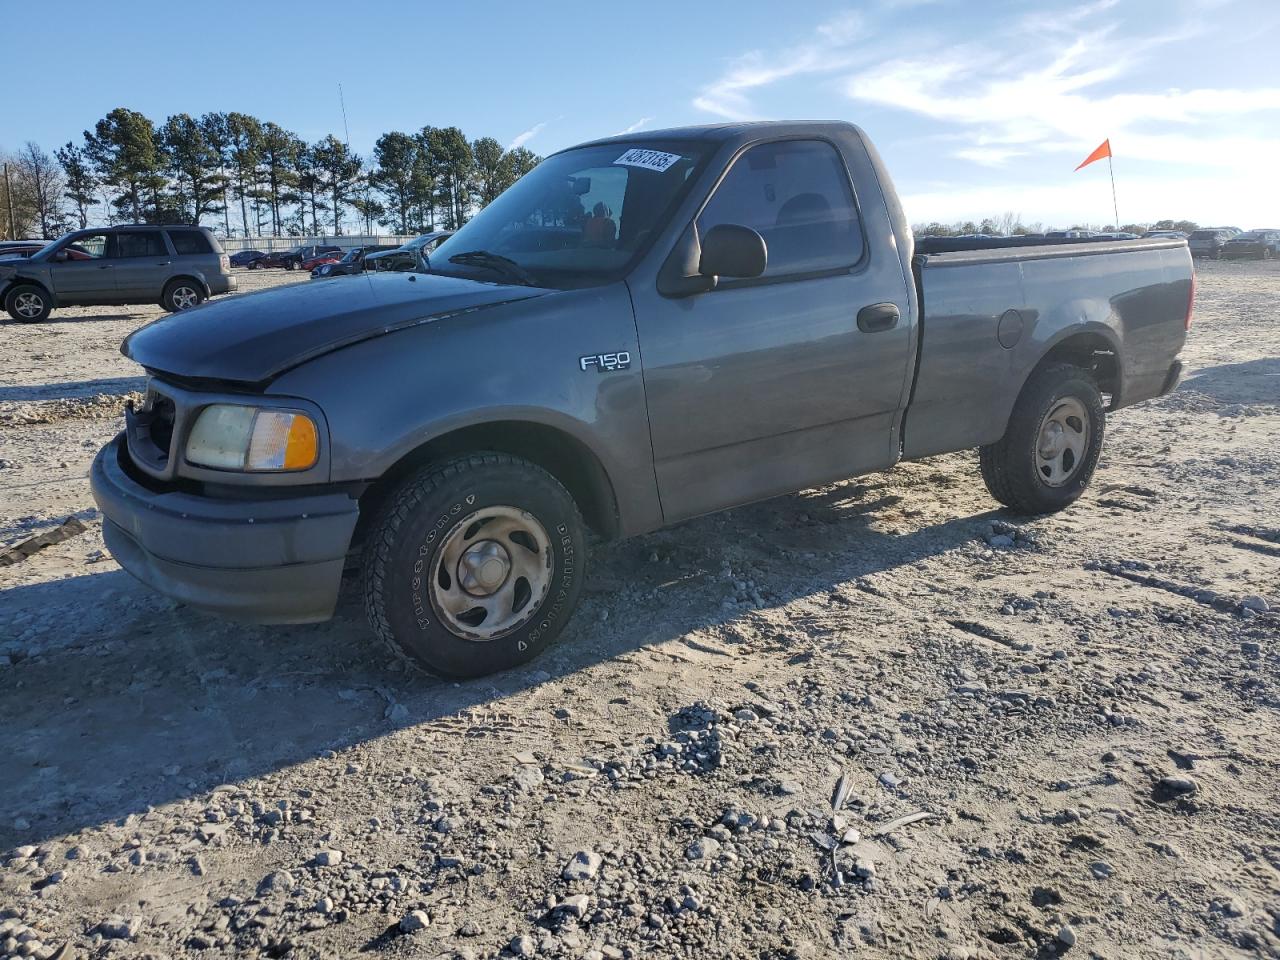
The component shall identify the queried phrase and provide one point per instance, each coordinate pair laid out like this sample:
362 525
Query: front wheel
1051 446
291 265
474 566
27 303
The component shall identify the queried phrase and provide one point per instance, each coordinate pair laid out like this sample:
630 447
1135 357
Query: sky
979 107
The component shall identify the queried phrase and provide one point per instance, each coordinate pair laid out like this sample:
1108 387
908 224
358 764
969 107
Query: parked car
1254 245
1209 242
292 259
353 262
312 262
409 256
20 248
175 266
669 325
1164 235
244 258
1069 234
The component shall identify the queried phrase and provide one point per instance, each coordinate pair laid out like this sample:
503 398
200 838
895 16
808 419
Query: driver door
764 386
88 275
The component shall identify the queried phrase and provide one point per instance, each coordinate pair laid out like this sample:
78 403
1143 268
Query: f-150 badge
604 362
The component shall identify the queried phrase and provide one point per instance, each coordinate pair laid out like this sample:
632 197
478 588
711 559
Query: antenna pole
1114 209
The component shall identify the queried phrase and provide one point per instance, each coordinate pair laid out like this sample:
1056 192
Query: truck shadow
72 389
1249 382
121 700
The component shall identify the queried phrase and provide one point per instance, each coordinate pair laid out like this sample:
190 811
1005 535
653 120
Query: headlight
234 437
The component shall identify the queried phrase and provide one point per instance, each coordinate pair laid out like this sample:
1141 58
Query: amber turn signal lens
303 446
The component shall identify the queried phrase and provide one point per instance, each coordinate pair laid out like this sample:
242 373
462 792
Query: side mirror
729 250
61 256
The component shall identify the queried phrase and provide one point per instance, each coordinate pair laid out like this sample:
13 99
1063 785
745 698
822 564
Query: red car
322 258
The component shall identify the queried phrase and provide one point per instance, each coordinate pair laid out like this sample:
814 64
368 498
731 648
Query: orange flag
1104 150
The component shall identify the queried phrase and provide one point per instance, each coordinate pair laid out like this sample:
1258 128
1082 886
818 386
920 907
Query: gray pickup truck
641 330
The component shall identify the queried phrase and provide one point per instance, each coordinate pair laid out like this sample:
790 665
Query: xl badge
604 362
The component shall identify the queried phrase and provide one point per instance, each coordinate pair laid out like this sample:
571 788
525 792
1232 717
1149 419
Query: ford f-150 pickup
643 329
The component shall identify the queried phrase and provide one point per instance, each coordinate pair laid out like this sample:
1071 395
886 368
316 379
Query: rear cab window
797 195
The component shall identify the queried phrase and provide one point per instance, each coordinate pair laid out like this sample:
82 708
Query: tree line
249 177
1011 225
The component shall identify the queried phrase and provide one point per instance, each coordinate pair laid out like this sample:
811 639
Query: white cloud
1030 97
642 122
728 96
520 139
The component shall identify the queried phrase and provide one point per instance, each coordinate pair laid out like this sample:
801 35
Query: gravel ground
882 718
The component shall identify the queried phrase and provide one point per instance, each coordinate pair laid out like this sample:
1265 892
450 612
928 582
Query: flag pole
1114 209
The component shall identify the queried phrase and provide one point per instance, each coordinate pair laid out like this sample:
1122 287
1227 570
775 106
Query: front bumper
268 561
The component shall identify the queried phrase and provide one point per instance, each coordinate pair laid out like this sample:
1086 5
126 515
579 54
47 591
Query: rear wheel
181 294
28 303
1051 446
291 265
474 566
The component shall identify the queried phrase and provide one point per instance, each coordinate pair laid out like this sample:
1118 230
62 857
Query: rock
583 865
864 868
414 921
1000 541
1255 603
1175 785
324 905
889 780
704 848
523 946
575 906
1101 870
281 881
745 715
328 858
119 928
527 777
470 929
26 851
1067 937
789 788
396 713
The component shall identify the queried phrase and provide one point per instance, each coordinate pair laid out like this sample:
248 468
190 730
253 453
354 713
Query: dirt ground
879 719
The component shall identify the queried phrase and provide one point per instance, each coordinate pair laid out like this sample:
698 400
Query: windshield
1251 235
352 254
578 218
1204 234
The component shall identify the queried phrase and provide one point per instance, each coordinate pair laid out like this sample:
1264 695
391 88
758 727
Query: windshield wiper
496 262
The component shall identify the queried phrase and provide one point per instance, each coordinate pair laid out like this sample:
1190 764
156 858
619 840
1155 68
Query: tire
291 265
181 294
254 265
428 540
1018 470
28 303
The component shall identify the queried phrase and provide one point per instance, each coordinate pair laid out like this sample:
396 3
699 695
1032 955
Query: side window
796 194
142 243
189 243
92 247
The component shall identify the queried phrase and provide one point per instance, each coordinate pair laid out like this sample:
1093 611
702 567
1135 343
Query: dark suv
175 266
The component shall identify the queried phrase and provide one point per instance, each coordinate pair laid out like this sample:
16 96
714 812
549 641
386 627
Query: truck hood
254 338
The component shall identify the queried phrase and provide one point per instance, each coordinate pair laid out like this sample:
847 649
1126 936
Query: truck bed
1079 300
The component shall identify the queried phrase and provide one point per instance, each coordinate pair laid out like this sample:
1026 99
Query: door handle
105 266
878 317
163 263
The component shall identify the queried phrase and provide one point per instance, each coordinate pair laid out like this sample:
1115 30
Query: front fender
386 397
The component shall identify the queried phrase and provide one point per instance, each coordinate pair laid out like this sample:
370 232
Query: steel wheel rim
28 304
491 573
1062 442
184 298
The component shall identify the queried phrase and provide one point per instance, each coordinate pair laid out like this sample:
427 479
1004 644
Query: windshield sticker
648 159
